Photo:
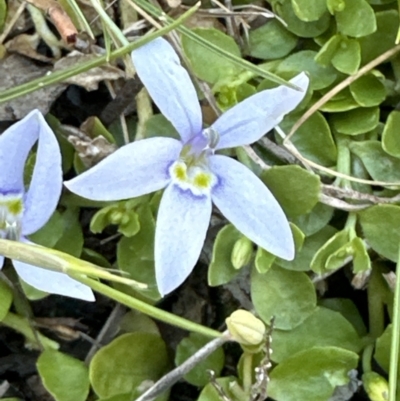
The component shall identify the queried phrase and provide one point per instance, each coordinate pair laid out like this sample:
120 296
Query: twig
172 377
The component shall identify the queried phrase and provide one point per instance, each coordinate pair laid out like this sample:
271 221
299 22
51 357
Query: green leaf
6 297
51 232
158 125
311 375
368 90
316 220
383 347
380 225
296 25
323 327
383 38
328 50
304 60
263 260
271 41
347 57
302 261
343 101
199 376
288 295
391 134
355 122
216 67
309 10
313 139
320 259
361 259
209 392
357 19
134 321
64 377
72 239
122 365
380 165
347 309
221 269
300 192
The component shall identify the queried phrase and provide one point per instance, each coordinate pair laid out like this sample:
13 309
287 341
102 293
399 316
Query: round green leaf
121 366
296 25
309 10
300 192
383 347
210 393
271 41
347 57
323 327
221 269
311 375
391 134
317 219
158 125
64 377
302 261
6 297
357 19
328 50
313 139
216 67
51 232
263 260
355 122
380 225
383 38
343 101
368 90
380 165
320 76
199 376
287 295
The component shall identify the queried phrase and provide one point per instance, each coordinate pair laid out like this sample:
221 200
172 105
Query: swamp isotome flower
23 213
192 174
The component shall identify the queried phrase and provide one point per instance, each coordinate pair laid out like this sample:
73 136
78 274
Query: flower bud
241 253
245 328
115 217
375 386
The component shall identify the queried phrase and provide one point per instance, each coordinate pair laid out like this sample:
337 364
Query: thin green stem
375 304
22 325
394 349
109 23
367 357
145 308
247 372
60 76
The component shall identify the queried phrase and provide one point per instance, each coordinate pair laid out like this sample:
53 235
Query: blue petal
246 202
1 261
182 223
46 183
52 282
15 144
169 85
249 120
133 170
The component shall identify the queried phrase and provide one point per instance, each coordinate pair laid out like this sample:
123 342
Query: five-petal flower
23 213
192 174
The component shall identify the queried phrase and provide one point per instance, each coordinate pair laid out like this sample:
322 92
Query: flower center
11 210
195 177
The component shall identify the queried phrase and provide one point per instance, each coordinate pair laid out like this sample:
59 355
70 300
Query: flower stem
143 307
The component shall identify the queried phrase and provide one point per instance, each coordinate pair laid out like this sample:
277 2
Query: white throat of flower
11 210
191 171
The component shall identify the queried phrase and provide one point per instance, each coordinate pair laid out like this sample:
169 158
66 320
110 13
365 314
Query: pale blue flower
192 175
24 212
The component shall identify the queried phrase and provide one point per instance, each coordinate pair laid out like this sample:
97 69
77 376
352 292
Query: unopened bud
115 217
245 328
241 253
375 386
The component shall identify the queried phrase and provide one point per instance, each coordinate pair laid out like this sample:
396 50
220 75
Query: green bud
241 253
116 217
245 328
375 386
